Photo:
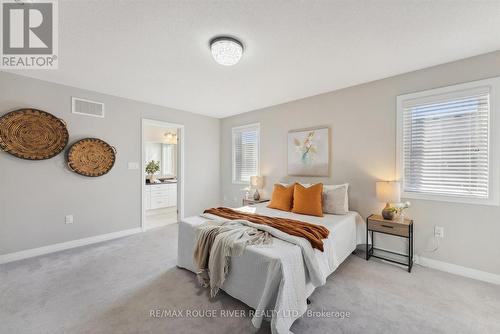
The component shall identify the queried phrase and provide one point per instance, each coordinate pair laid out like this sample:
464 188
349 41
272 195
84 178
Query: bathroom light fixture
171 138
226 51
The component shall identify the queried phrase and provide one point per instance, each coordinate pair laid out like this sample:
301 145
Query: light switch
133 165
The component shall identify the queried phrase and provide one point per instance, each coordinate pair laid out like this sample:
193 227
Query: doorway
162 176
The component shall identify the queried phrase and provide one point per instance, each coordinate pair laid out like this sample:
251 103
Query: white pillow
335 199
305 185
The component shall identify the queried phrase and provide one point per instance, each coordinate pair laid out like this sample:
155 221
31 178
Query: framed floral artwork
308 152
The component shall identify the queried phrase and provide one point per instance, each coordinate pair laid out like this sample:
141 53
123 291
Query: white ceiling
157 51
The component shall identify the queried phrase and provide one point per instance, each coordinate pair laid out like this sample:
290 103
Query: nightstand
400 228
253 201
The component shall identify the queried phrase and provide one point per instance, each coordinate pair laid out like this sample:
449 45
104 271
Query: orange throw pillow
282 198
308 201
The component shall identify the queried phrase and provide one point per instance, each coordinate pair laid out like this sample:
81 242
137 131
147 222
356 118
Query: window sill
241 182
451 199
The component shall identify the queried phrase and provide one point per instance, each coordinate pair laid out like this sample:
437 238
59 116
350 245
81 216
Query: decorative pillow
335 199
307 201
282 198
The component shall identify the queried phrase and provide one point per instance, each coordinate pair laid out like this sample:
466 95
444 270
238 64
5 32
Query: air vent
87 107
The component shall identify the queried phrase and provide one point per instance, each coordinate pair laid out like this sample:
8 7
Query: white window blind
245 153
445 144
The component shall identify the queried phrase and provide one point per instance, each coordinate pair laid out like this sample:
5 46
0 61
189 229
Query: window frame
431 95
234 131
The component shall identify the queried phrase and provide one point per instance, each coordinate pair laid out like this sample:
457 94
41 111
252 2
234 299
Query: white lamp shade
257 181
388 191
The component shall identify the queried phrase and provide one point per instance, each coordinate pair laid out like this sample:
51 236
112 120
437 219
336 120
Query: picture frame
309 152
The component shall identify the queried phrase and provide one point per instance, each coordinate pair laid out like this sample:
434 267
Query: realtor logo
29 34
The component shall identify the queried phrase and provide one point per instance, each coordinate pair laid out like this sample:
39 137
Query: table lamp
256 182
388 192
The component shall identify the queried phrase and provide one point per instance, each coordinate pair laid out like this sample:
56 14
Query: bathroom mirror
165 154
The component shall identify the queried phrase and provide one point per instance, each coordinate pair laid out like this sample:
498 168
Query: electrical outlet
68 219
439 232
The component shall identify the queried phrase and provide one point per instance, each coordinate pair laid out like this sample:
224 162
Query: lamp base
256 196
387 213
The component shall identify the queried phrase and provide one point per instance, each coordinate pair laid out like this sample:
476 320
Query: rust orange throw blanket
313 233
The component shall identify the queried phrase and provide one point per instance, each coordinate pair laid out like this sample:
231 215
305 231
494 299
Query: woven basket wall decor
32 134
91 157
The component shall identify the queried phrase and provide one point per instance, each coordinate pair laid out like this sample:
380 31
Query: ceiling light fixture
226 51
171 138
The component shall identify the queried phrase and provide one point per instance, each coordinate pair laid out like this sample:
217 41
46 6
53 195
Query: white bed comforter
277 279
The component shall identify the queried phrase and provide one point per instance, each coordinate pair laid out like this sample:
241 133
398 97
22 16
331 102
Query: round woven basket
32 134
91 157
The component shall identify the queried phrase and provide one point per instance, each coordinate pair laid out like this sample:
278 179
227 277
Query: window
245 153
446 141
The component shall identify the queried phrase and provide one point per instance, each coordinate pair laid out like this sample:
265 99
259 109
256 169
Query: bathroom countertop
158 184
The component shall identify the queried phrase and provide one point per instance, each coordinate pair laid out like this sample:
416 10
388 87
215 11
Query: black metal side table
400 228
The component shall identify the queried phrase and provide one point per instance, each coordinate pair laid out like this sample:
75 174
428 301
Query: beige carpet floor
114 286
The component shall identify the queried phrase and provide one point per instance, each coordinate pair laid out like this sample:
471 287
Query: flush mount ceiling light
226 51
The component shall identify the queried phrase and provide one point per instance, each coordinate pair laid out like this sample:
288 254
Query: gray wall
362 120
35 196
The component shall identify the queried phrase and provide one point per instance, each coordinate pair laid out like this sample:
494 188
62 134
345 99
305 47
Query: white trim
180 166
238 129
494 140
458 270
73 98
448 198
244 126
147 228
66 245
449 268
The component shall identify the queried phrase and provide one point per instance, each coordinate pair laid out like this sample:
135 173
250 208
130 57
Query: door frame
180 165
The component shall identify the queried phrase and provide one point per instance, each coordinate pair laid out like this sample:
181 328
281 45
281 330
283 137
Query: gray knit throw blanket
216 242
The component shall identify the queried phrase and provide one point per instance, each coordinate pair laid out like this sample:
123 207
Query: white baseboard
458 270
66 245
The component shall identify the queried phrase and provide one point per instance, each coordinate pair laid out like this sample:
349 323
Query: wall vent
87 107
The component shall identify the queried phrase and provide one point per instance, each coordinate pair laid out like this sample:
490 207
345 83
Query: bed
273 279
